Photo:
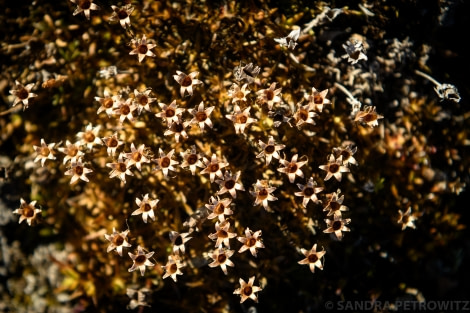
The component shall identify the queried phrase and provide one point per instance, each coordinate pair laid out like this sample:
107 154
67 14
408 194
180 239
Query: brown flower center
143 100
136 156
222 234
125 109
72 151
247 291
187 81
172 268
214 167
317 99
122 14
308 191
241 118
108 102
22 93
89 136
178 240
336 225
303 114
269 149
333 168
44 151
219 208
122 167
142 49
165 162
28 211
263 193
312 258
192 159
118 240
221 258
229 184
369 117
170 112
269 94
251 242
140 259
292 167
78 170
147 207
112 142
334 206
85 4
201 116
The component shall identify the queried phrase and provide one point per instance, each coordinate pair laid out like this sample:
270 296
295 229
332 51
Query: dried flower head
84 6
303 115
241 119
186 82
146 207
89 137
118 241
334 205
78 171
270 96
112 143
173 267
191 159
107 103
334 167
309 192
122 14
178 240
292 168
246 72
27 211
137 156
221 258
170 113
165 162
222 234
230 184
142 48
337 226
120 168
368 116
201 116
313 258
213 167
317 99
270 149
44 152
346 152
252 241
178 129
141 260
354 51
247 290
219 208
22 94
72 151
406 219
142 100
125 110
262 192
238 94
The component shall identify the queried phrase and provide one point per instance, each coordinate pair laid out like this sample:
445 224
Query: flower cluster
183 167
